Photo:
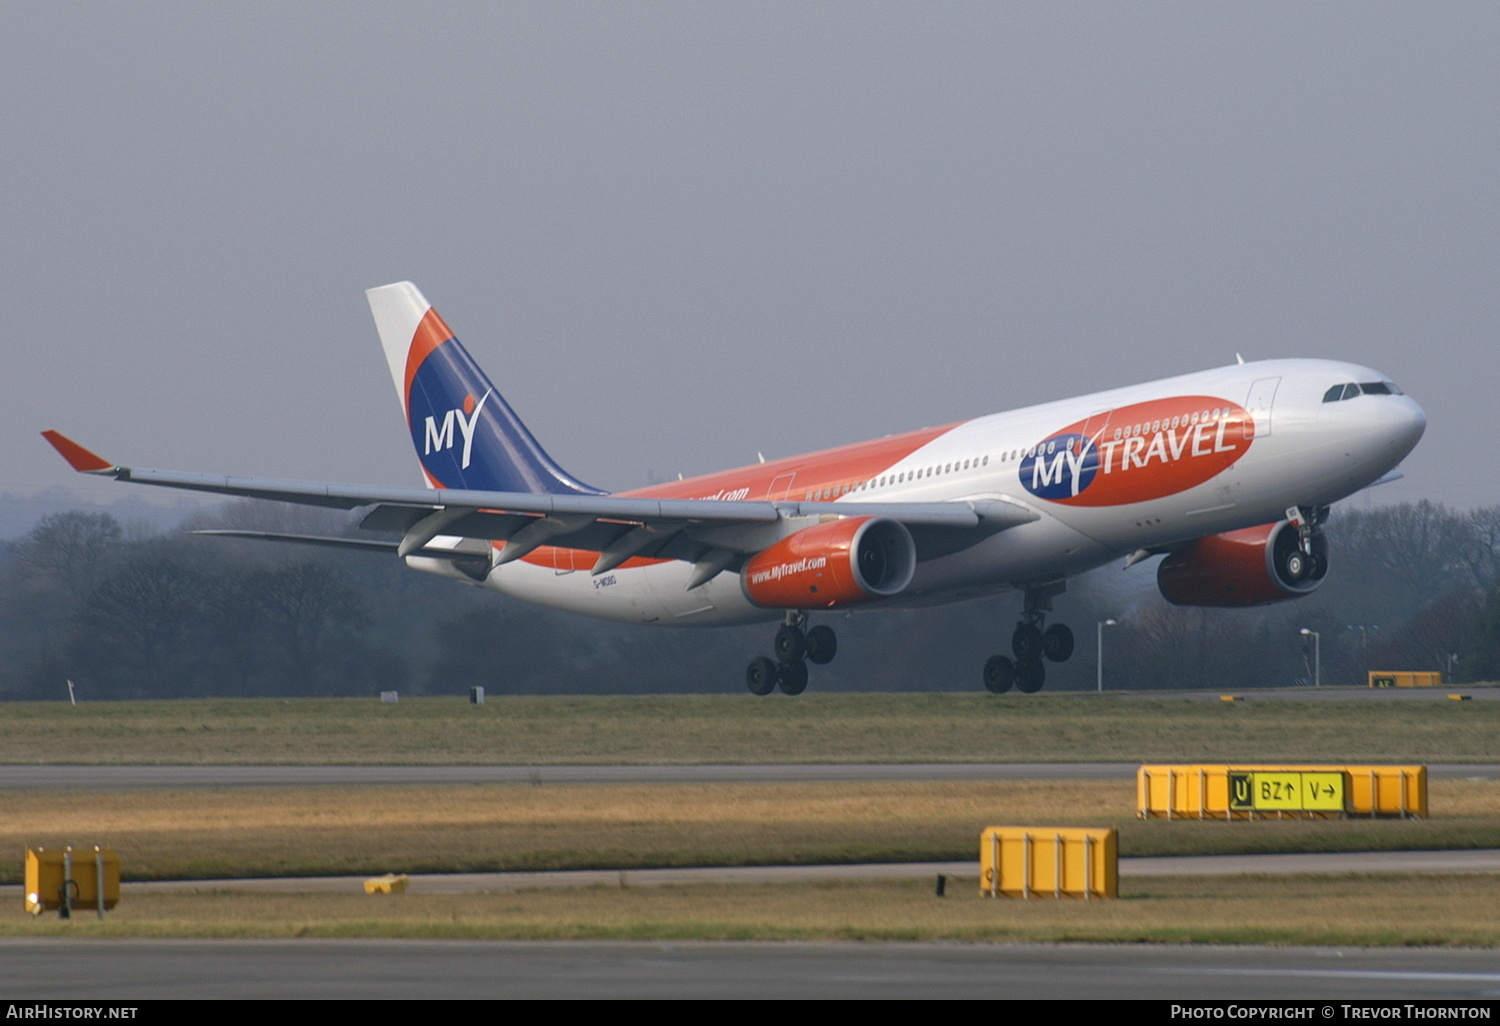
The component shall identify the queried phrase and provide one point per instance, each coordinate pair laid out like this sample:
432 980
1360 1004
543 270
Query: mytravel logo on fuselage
1139 452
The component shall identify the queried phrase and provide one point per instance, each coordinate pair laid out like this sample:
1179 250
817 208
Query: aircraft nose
1404 422
1411 423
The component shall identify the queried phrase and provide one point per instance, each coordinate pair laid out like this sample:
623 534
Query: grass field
312 831
239 832
740 729
1328 910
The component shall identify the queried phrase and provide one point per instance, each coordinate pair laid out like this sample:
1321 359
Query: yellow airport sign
1049 862
1246 792
1286 791
1406 678
62 879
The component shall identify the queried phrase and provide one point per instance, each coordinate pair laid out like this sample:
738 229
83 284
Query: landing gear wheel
1057 643
822 643
1026 643
1030 675
790 644
761 676
999 674
793 678
1297 564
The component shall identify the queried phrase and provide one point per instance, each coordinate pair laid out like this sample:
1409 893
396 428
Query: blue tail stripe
467 436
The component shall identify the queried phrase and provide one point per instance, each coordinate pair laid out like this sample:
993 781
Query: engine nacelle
840 563
1243 568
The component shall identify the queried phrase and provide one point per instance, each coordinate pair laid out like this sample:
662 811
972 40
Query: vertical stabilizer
465 434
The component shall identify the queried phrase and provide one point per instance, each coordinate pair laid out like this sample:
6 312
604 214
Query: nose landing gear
1309 560
1030 644
794 647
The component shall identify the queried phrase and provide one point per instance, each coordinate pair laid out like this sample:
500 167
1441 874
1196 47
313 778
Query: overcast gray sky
676 234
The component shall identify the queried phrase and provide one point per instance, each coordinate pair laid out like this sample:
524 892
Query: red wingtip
78 457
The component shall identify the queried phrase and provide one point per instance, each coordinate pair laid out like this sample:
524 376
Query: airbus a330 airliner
1228 473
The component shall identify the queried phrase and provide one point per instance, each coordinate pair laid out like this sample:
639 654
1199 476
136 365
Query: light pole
1100 648
1364 643
1317 656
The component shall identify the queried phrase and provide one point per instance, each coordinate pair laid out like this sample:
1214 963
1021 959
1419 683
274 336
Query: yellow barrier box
1406 679
1251 792
1049 862
62 879
391 883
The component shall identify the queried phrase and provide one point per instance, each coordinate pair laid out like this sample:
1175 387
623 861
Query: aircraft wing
619 527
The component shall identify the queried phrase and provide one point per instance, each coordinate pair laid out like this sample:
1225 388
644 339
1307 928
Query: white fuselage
1288 447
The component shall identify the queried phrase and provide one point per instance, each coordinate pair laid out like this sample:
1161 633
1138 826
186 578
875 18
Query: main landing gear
1031 643
794 646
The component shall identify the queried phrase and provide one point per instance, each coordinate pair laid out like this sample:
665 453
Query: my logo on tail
438 438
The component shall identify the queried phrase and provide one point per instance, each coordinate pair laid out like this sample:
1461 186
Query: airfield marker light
99 880
66 911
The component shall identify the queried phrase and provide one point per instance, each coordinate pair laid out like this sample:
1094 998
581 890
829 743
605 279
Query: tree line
128 612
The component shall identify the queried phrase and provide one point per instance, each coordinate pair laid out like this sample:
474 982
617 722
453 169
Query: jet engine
1250 567
838 563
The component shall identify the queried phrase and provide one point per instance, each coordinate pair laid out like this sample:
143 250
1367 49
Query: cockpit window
1339 393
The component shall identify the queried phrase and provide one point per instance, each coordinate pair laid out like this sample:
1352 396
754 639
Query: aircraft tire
761 676
790 645
1030 675
1057 643
1296 565
793 678
822 645
999 674
1026 643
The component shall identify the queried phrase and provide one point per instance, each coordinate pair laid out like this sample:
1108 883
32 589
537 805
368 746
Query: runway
1441 693
125 970
52 777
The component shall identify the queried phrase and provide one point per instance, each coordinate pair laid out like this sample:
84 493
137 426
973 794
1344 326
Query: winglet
79 458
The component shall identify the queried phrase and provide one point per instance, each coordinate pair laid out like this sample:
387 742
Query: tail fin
465 434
